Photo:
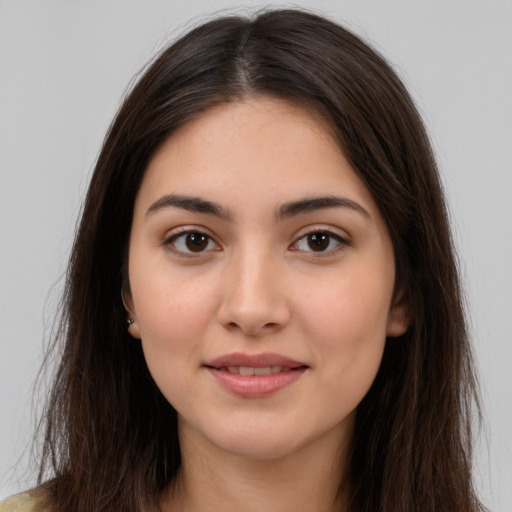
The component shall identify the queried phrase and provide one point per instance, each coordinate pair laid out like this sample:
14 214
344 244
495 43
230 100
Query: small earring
129 320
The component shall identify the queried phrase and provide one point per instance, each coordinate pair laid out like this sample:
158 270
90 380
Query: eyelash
171 241
341 243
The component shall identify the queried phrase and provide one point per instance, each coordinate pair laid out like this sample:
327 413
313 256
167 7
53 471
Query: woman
262 308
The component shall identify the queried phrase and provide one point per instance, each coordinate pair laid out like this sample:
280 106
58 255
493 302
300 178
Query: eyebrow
290 209
311 204
189 203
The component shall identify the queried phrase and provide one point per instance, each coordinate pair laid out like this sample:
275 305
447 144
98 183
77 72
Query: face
261 280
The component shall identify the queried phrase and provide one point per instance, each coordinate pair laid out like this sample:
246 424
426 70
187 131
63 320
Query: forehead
256 124
264 147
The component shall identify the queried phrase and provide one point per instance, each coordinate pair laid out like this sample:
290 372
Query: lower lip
256 386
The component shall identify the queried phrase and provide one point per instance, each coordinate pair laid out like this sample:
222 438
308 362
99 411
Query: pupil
318 241
196 242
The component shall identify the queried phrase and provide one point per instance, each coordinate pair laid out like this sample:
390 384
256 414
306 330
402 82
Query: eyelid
173 235
344 241
325 228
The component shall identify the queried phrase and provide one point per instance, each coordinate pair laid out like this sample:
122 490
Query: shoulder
25 502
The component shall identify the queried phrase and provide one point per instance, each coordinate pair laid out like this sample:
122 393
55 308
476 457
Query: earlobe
133 327
399 318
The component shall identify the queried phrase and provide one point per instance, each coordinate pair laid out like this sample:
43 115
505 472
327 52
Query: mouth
235 361
255 376
247 371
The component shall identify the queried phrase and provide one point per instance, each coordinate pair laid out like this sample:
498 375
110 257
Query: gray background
64 66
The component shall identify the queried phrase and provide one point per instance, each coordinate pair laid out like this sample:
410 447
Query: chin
259 447
262 440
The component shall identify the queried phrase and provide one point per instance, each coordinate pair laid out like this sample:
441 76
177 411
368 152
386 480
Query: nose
254 301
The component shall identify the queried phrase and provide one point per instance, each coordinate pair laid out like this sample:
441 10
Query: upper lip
253 360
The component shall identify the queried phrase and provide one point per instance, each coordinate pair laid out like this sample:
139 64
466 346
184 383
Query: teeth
248 371
262 371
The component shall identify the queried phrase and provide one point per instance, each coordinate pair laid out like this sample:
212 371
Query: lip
255 386
254 360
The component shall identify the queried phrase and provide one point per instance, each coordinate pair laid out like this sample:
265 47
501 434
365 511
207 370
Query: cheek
353 310
172 311
349 323
173 324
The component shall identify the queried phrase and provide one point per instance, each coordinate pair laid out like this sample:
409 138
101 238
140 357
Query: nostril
253 310
252 329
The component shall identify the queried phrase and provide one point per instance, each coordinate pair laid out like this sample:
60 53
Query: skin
258 285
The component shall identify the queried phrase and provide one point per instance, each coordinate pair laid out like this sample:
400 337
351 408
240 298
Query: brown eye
320 242
196 242
190 242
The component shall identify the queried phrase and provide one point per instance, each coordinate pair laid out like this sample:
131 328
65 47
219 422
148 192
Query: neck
213 480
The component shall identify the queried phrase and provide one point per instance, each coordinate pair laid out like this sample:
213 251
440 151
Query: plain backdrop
64 66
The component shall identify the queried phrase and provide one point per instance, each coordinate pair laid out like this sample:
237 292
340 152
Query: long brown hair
111 440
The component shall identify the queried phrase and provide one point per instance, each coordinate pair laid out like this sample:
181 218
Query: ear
131 318
399 317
